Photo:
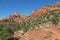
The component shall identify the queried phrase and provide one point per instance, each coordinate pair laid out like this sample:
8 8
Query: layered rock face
12 18
46 9
15 17
3 20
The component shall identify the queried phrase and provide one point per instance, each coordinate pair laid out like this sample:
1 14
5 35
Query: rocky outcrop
57 4
12 18
18 34
46 9
43 34
3 20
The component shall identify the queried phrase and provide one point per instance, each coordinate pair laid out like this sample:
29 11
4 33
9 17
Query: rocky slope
49 31
42 34
46 9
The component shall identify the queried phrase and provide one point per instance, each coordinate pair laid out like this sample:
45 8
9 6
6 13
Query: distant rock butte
16 14
12 18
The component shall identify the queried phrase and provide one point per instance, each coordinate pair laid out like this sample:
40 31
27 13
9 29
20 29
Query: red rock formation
46 9
57 4
12 18
16 14
40 11
44 34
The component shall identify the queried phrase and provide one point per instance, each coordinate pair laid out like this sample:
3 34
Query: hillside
42 24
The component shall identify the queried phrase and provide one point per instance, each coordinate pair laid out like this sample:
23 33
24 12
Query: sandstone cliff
46 9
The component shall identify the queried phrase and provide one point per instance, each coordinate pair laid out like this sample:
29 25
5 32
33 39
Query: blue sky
8 7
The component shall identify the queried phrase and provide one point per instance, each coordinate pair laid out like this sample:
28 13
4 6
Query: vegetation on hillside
6 31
